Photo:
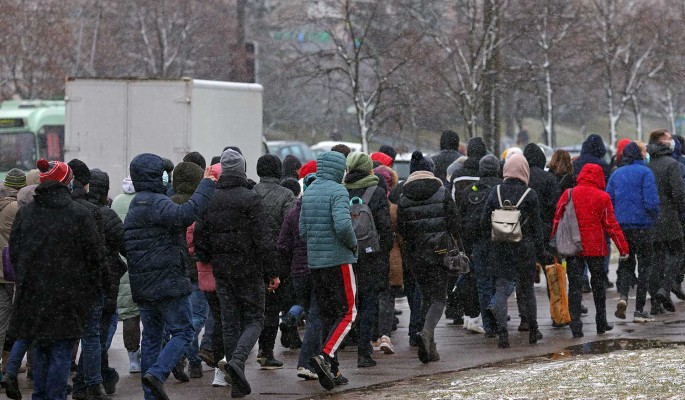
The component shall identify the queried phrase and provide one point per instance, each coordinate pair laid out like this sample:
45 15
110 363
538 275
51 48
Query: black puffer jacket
233 235
372 269
80 195
187 176
545 185
671 193
506 259
426 216
277 200
469 174
449 151
54 249
114 237
470 202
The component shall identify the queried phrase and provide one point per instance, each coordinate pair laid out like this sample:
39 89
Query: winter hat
15 179
389 151
631 152
620 146
293 185
308 168
476 148
420 163
215 160
234 148
54 171
33 177
308 180
359 162
80 170
168 165
516 167
186 177
291 167
127 186
488 166
269 166
196 158
449 140
382 158
232 164
99 186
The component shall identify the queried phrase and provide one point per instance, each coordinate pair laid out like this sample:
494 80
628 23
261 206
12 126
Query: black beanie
269 165
215 160
420 163
80 170
168 166
388 151
196 158
292 184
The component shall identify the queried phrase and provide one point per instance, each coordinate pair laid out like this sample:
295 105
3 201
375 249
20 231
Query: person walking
513 263
668 231
233 236
155 251
325 224
427 220
595 215
635 198
54 246
373 265
449 151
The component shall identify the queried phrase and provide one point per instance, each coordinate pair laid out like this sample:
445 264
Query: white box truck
110 121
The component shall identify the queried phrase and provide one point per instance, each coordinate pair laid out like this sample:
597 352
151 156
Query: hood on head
146 173
186 176
99 186
591 175
476 148
330 165
127 186
631 152
449 140
388 175
535 156
594 146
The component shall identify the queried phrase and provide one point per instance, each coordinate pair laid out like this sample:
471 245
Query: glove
624 257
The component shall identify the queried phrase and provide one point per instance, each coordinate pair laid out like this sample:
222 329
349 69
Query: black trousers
641 244
598 280
668 257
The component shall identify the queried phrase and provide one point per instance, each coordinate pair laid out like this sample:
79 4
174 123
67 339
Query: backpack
362 221
567 238
474 204
506 221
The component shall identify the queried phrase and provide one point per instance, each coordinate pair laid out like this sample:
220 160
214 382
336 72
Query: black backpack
473 206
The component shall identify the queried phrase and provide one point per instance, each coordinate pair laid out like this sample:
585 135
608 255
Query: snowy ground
639 374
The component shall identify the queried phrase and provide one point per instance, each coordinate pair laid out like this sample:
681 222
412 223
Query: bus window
17 150
50 142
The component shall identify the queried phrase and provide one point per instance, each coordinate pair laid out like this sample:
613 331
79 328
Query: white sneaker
219 380
386 345
475 326
306 374
222 364
467 321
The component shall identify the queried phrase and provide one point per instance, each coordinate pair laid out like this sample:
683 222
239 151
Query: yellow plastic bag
558 295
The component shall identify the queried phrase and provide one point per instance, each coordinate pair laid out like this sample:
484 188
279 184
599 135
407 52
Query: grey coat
671 189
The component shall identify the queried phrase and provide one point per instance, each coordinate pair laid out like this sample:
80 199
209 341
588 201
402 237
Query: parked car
328 145
282 148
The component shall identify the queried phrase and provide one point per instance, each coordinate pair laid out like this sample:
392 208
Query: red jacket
595 213
205 274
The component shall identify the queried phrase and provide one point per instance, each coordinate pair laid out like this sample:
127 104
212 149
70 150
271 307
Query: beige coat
8 211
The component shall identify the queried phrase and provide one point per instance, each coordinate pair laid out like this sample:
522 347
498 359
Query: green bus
30 130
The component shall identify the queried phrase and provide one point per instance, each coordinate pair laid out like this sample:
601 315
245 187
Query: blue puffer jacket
154 232
633 192
325 222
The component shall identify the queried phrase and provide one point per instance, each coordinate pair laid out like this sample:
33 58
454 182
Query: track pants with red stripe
335 289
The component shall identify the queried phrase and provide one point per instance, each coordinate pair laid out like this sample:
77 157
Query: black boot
503 342
156 386
95 393
534 335
11 386
179 371
603 327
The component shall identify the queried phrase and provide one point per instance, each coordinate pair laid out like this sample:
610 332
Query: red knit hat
382 158
307 169
54 171
620 146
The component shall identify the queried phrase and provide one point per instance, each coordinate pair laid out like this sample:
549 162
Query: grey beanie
232 164
489 166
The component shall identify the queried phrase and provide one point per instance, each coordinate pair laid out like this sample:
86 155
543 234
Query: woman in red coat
595 215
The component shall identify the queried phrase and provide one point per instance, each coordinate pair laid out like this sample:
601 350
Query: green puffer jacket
125 305
325 222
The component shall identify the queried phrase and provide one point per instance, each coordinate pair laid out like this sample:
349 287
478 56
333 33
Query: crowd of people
212 263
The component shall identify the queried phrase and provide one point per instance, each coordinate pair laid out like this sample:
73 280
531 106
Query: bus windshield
17 150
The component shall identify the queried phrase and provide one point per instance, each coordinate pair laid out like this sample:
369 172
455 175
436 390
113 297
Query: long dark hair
560 164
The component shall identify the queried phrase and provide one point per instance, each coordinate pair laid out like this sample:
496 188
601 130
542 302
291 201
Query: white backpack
506 221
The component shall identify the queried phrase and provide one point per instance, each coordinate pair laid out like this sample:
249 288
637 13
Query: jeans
242 314
174 314
17 355
206 342
641 245
413 293
574 271
503 289
668 256
198 302
89 368
311 342
6 295
52 360
484 283
108 327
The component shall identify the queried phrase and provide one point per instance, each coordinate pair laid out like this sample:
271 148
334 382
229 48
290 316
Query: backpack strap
522 197
499 197
366 197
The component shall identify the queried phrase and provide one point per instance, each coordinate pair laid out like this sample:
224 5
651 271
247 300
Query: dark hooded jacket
80 195
290 245
545 185
666 172
187 176
592 152
470 203
54 249
276 200
449 152
233 234
114 237
426 217
154 231
463 177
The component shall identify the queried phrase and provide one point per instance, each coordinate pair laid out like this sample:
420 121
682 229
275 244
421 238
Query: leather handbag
456 261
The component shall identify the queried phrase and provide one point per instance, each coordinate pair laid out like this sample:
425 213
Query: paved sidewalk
458 349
